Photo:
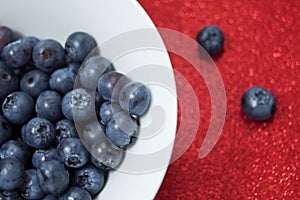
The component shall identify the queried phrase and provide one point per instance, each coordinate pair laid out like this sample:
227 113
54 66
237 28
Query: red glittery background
251 160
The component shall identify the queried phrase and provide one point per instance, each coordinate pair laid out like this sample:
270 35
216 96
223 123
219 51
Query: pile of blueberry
257 102
46 123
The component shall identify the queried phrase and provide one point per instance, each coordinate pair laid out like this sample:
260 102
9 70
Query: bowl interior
123 31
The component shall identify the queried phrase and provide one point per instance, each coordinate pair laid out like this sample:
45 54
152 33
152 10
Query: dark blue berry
39 133
65 128
72 152
50 197
78 104
53 177
258 103
135 98
92 70
110 84
211 38
6 36
8 81
31 188
17 54
100 147
62 80
35 82
41 155
75 193
18 107
48 55
16 149
48 106
10 195
106 111
97 163
73 66
121 128
89 178
12 174
5 130
30 40
78 45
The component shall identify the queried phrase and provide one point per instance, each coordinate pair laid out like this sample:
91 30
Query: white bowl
127 36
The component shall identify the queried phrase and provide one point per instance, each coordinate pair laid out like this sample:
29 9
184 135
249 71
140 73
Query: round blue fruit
75 193
62 80
8 81
12 174
18 107
258 103
31 188
135 98
211 38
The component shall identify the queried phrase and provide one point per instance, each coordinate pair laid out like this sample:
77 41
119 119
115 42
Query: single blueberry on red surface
258 103
211 38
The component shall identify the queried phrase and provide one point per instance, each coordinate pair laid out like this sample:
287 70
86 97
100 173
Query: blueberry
211 38
258 103
10 195
48 55
31 188
110 84
97 163
72 152
6 36
62 80
41 155
50 197
73 66
18 107
106 111
53 177
17 54
5 130
89 178
20 72
34 82
48 106
65 129
135 98
30 40
78 45
39 133
92 70
100 147
78 104
12 174
16 149
75 193
8 81
121 128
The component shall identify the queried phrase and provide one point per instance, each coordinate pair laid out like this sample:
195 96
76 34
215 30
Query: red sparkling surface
251 160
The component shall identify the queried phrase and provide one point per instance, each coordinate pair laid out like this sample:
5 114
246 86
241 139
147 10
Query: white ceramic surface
108 21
